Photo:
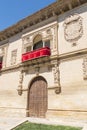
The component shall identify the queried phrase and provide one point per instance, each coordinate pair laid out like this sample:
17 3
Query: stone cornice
56 8
30 63
72 55
40 62
48 61
10 69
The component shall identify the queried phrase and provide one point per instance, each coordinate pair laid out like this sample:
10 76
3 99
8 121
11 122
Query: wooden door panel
38 98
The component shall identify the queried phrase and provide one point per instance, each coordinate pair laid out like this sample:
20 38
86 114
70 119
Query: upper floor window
1 61
37 44
47 43
13 57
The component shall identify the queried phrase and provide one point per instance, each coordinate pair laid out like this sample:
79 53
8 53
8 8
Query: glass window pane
38 45
47 43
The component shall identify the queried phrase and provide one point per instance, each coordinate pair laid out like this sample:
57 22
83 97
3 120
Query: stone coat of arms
73 28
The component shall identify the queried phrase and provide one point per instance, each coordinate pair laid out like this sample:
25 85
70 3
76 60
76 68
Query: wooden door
38 98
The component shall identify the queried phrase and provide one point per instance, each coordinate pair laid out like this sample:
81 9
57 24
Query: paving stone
9 123
85 127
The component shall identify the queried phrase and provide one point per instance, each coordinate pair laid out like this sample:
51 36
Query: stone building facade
43 61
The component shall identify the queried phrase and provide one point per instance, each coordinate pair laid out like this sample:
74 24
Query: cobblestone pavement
9 123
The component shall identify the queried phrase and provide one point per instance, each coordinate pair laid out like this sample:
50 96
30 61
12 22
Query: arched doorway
37 97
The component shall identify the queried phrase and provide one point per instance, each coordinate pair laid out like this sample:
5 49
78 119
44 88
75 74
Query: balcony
42 52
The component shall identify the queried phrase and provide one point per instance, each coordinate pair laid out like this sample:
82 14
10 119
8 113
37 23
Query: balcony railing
42 52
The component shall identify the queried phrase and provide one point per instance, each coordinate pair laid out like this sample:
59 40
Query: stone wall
72 31
11 104
71 102
72 43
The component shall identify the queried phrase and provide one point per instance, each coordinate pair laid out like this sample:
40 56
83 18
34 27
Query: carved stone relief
85 68
21 76
27 43
48 33
56 73
28 40
55 37
35 34
73 28
45 35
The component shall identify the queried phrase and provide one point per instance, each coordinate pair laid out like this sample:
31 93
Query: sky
12 11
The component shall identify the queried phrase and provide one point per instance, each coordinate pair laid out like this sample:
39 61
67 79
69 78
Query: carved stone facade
85 68
48 33
56 74
20 86
73 28
63 71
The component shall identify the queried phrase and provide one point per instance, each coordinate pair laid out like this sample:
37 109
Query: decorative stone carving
85 68
56 74
49 31
27 40
73 28
57 78
58 90
54 33
21 76
35 34
55 71
44 34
